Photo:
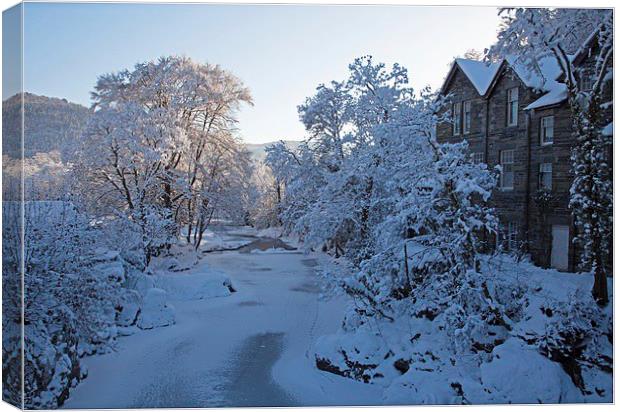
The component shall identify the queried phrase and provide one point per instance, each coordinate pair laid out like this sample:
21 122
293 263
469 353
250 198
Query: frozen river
253 348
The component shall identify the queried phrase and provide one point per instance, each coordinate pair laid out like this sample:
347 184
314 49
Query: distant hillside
50 124
56 124
258 149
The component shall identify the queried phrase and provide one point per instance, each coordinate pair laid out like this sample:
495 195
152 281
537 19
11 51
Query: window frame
466 120
543 130
512 104
503 165
585 78
457 118
541 174
509 236
477 157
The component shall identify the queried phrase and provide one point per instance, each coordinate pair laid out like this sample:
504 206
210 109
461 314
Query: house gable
477 73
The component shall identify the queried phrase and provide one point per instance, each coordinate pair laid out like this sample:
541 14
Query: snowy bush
157 230
502 339
519 374
71 292
579 337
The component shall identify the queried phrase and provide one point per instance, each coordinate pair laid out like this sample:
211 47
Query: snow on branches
372 184
160 149
72 289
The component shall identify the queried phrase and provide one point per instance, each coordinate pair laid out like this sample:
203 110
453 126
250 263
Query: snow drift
554 347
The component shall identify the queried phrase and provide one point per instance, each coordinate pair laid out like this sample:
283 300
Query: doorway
559 247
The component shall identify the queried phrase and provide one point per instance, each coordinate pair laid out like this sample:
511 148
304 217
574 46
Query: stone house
520 121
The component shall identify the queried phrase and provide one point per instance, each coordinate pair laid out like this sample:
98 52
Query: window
546 130
513 106
507 176
477 157
586 82
466 117
456 119
545 176
508 236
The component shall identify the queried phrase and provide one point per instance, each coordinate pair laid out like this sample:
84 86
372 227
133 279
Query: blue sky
281 52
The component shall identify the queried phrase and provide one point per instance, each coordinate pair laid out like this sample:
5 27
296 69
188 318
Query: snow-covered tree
216 165
330 187
125 149
222 186
298 182
581 41
266 197
473 54
160 149
325 116
435 215
389 186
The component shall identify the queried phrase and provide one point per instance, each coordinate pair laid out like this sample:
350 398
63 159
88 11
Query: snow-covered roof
541 77
547 80
557 94
479 73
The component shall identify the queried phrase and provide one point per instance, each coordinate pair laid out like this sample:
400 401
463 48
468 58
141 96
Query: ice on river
252 347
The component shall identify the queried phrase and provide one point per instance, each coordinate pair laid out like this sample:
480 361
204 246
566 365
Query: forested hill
56 124
258 149
50 124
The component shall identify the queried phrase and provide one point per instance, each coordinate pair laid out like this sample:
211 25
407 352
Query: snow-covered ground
553 344
252 347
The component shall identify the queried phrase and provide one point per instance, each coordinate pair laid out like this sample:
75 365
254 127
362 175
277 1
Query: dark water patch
225 248
309 262
250 382
171 390
264 244
240 236
306 288
245 381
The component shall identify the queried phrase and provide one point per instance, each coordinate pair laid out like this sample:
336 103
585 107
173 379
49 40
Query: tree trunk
198 240
167 196
197 230
189 233
190 220
599 290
